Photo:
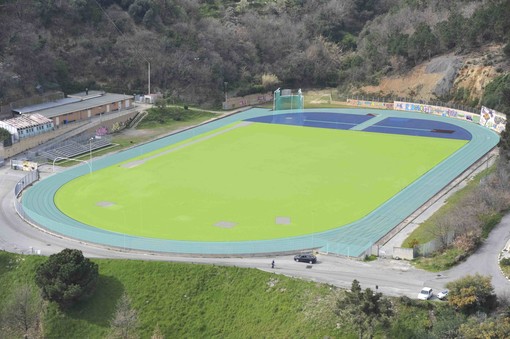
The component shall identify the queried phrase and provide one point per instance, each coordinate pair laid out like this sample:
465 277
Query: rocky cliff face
462 77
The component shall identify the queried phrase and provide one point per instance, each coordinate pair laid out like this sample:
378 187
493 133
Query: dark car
309 258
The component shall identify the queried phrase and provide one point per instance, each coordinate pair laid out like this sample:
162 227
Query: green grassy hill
187 301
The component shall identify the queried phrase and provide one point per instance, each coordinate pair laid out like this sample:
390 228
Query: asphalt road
391 277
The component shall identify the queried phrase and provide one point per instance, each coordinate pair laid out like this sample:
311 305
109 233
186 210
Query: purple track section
419 127
316 119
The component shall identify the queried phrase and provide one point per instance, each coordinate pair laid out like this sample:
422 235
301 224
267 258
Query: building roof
86 95
106 98
27 121
45 105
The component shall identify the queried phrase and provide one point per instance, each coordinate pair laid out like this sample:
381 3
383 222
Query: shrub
489 222
405 300
467 242
269 80
413 243
472 293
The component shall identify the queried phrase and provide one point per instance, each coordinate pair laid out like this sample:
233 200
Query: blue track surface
390 125
315 119
352 240
420 127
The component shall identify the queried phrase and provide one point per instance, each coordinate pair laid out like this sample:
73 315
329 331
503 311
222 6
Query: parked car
425 293
309 258
443 294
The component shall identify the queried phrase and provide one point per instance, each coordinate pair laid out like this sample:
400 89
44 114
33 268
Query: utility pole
149 78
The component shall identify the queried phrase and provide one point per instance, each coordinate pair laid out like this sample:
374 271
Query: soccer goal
285 99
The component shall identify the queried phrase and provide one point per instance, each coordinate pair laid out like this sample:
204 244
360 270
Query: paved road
392 277
485 261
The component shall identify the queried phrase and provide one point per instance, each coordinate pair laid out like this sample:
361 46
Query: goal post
286 100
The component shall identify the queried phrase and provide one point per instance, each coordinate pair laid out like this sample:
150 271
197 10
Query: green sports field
252 182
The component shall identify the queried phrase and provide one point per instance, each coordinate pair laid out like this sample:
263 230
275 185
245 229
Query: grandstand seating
72 149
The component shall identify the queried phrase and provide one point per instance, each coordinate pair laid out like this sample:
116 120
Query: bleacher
73 149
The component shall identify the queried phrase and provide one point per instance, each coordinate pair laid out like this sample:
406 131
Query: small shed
152 98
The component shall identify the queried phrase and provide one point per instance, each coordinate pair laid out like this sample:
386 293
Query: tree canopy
67 277
364 309
4 134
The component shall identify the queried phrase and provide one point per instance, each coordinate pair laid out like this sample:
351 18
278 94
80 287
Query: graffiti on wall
370 104
248 100
492 119
436 110
101 131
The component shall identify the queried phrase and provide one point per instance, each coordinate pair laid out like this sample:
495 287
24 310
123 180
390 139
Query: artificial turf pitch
252 182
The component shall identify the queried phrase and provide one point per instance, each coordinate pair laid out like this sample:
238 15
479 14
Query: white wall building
27 126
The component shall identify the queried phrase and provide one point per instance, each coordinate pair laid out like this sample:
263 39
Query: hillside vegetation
175 300
197 49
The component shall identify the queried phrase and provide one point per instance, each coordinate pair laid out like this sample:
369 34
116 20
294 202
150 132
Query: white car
425 293
442 295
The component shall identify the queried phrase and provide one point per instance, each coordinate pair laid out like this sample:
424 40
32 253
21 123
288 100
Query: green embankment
186 301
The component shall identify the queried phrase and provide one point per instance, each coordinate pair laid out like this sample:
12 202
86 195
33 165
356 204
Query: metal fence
27 180
432 246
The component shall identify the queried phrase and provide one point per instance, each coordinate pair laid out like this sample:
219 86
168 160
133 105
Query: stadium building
78 107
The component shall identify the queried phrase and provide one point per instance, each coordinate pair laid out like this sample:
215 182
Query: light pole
90 153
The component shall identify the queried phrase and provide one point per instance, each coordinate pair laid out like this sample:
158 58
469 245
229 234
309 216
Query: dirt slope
444 75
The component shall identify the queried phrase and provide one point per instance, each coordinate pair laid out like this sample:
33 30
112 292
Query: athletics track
350 240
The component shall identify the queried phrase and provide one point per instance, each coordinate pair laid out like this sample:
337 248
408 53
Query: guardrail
26 181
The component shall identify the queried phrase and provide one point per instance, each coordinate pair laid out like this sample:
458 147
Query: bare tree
443 227
21 316
125 320
494 197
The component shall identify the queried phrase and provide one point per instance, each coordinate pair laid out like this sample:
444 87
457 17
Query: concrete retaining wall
404 253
